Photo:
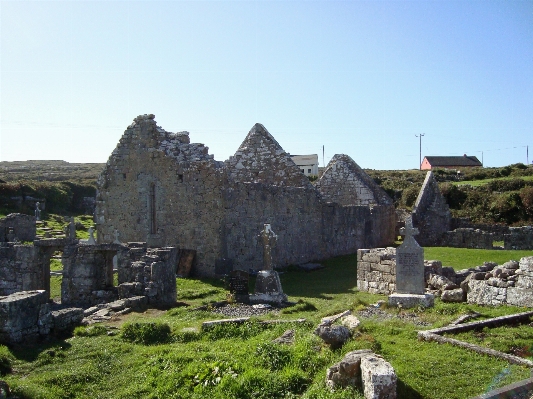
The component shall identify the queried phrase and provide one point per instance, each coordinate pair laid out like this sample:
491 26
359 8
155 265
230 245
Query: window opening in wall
53 281
153 226
303 170
308 170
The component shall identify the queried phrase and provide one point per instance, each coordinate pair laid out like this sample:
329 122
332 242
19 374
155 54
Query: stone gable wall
431 214
188 193
345 183
260 159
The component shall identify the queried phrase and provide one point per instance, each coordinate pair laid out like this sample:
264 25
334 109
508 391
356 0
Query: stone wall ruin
431 214
159 188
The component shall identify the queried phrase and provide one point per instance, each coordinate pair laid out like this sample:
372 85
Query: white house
308 164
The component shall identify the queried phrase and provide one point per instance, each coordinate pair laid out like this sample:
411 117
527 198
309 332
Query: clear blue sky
359 77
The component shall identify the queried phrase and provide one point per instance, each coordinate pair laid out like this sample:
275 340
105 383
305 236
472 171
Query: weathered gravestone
410 281
238 286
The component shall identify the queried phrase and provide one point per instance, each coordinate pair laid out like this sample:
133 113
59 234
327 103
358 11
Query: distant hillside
50 171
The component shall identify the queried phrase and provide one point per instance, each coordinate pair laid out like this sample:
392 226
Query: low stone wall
519 238
148 271
23 227
26 316
376 270
497 230
467 238
502 291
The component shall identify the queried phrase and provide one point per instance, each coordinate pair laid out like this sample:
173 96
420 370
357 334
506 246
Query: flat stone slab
309 267
411 300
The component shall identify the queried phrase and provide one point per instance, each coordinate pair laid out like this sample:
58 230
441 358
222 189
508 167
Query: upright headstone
410 281
91 240
410 263
238 286
10 235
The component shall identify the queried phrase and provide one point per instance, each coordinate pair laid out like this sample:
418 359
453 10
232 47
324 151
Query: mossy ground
239 361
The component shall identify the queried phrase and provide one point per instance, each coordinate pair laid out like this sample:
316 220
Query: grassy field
476 183
165 354
461 258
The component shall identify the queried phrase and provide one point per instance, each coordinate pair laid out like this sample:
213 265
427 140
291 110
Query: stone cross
269 241
37 211
10 235
117 235
91 240
409 231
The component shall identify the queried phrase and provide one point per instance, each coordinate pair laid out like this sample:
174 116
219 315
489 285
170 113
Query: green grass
167 355
515 340
462 258
477 183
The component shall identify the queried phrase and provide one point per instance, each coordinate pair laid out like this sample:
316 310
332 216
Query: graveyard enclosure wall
24 268
466 238
23 227
160 189
497 230
519 238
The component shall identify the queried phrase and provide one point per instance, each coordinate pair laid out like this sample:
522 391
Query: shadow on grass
49 348
404 391
339 276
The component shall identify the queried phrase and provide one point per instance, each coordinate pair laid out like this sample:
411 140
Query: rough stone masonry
159 188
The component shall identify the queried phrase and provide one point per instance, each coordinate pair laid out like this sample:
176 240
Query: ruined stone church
159 188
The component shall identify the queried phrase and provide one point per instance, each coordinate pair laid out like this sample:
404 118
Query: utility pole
420 161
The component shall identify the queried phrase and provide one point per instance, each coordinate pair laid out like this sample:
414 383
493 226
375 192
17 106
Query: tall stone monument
268 285
410 282
37 211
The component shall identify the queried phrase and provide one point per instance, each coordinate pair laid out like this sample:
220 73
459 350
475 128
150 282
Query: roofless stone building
159 188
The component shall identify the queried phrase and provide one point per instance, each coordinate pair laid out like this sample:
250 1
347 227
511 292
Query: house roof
464 160
305 159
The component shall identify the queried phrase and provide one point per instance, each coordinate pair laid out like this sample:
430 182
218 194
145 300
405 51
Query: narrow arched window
152 215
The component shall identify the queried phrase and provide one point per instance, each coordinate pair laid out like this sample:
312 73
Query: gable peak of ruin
345 182
261 159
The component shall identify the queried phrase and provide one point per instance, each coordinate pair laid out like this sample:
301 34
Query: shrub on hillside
409 196
454 195
506 207
506 185
526 196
